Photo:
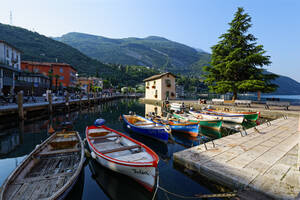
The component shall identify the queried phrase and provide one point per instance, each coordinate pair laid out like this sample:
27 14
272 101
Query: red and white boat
122 154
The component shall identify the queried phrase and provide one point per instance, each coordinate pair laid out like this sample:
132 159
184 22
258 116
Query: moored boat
190 128
117 186
49 171
141 125
122 154
176 106
249 116
225 117
209 123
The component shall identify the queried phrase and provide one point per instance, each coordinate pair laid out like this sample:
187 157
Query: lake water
95 181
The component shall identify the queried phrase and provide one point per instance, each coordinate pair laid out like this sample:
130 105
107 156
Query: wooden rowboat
215 124
122 154
141 125
249 116
49 171
117 186
189 128
224 117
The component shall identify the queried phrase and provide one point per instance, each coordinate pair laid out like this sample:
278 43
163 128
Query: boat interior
47 170
138 121
118 147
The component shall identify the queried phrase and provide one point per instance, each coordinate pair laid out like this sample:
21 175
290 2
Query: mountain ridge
152 51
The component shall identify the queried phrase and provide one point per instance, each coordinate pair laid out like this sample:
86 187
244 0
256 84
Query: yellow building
160 87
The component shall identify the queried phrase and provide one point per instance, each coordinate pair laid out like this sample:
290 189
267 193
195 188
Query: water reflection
117 186
18 141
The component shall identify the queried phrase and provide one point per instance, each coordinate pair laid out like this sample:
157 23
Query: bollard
50 102
20 105
80 97
67 101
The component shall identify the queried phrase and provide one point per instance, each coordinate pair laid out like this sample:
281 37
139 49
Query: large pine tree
237 61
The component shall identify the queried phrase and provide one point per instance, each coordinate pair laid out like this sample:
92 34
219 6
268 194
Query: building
160 87
180 91
63 74
87 83
31 83
10 65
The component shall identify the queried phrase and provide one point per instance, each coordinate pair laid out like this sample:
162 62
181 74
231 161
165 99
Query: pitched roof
48 64
2 41
158 76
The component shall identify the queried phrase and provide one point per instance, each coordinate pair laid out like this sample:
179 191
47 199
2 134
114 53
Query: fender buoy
93 155
168 129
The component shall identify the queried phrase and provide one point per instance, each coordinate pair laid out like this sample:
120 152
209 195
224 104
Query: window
61 78
168 82
61 70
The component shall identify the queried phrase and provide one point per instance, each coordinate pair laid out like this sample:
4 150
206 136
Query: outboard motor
99 122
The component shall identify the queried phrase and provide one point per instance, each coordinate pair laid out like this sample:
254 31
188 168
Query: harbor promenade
12 109
265 161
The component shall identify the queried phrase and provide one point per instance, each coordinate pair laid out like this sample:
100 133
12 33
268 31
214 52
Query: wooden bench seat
120 149
145 124
104 137
285 104
49 153
243 102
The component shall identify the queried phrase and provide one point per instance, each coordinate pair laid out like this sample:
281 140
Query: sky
196 23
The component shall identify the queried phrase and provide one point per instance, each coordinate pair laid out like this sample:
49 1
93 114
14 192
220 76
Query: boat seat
142 156
120 149
144 124
65 151
104 137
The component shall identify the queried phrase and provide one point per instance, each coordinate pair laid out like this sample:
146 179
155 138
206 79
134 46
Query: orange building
66 73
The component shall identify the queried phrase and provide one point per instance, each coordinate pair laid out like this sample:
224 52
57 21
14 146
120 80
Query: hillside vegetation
156 52
36 47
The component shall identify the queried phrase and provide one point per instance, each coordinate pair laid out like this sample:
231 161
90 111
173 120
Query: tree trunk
234 97
56 84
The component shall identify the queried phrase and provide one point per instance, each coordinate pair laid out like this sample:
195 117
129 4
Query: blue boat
141 125
190 128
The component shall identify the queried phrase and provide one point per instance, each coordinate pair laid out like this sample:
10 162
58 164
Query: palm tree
50 75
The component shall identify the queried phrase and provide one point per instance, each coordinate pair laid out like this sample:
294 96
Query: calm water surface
95 181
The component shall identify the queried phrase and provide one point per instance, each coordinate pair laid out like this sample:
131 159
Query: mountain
36 47
156 52
287 86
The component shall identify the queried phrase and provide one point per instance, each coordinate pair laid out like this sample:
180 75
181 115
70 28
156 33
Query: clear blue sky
197 23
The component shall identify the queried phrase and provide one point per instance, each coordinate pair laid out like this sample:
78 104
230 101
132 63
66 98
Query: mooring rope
198 196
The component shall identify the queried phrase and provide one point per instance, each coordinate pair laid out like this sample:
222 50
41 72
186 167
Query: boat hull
143 172
250 116
228 118
190 129
212 124
145 175
159 134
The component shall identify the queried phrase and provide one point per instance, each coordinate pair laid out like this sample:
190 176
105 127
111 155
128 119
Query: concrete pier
265 160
